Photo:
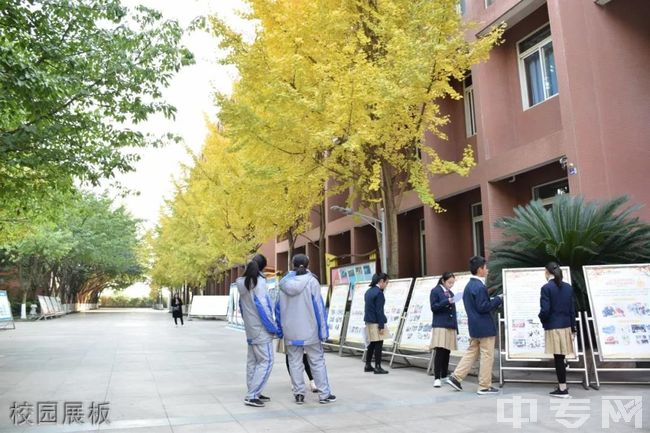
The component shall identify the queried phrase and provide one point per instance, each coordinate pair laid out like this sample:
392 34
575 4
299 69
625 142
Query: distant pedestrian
257 312
445 325
482 330
301 318
375 320
177 310
558 317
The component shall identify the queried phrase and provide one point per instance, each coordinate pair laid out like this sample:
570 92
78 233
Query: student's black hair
300 264
378 277
253 270
554 269
475 263
445 276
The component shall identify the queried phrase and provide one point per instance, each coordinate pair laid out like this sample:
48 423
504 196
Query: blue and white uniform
257 312
302 321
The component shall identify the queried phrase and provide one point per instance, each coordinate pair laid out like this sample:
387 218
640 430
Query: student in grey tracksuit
257 312
302 321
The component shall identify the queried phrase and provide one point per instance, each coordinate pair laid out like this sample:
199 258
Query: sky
191 92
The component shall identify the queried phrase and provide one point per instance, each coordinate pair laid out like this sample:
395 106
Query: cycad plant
573 233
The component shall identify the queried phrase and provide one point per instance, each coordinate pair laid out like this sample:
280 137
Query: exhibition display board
6 317
416 331
50 307
336 311
462 340
324 291
521 296
620 305
209 306
396 294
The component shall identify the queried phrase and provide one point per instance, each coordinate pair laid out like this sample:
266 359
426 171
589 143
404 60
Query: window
537 67
470 116
477 230
423 249
548 191
489 3
461 7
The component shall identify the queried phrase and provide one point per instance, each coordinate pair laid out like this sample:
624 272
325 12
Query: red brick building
562 106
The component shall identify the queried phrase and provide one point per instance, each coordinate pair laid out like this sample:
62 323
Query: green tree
573 233
75 77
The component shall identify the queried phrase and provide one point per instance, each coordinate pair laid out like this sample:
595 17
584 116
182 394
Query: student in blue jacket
558 316
375 321
257 312
482 330
445 325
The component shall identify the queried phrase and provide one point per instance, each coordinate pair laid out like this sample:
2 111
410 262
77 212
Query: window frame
470 109
488 3
548 201
475 220
521 56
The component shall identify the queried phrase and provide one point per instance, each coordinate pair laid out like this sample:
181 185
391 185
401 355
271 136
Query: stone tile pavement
158 378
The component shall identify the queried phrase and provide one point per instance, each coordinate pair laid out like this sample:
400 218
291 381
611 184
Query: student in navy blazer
445 325
482 330
558 316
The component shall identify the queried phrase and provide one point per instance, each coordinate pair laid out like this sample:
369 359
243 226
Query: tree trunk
390 222
291 239
321 243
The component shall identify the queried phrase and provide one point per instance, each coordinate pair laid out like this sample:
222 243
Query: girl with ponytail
558 317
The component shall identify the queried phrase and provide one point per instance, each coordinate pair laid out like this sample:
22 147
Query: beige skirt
372 331
443 337
559 341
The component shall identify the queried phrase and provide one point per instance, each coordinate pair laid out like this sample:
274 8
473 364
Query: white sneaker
437 383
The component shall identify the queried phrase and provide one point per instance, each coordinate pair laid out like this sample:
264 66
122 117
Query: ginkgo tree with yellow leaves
345 90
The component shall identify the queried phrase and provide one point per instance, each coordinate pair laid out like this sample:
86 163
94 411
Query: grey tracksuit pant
316 358
258 368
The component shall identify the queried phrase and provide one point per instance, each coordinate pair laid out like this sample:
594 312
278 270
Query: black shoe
368 369
560 394
263 398
379 370
300 399
488 391
454 383
329 399
255 402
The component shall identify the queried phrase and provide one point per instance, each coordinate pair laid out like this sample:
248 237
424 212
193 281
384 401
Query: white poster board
5 308
521 296
620 304
416 334
462 340
324 290
50 306
45 309
336 312
396 293
209 306
273 287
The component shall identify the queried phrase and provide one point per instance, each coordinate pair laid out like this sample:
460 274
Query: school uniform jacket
444 311
374 301
257 311
557 308
300 311
479 307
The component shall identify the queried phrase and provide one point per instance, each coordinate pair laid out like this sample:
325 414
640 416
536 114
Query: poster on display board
50 306
5 307
416 333
324 291
396 293
336 311
352 274
521 296
273 287
620 304
462 340
45 309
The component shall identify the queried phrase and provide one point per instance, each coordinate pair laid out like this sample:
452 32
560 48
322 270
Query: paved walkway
158 378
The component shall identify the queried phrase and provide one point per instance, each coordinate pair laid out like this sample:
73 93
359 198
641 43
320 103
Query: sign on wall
620 304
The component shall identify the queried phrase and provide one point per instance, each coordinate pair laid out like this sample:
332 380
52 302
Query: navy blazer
374 308
557 308
444 311
479 307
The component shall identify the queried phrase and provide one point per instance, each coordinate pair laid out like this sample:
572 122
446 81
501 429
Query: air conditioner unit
602 2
